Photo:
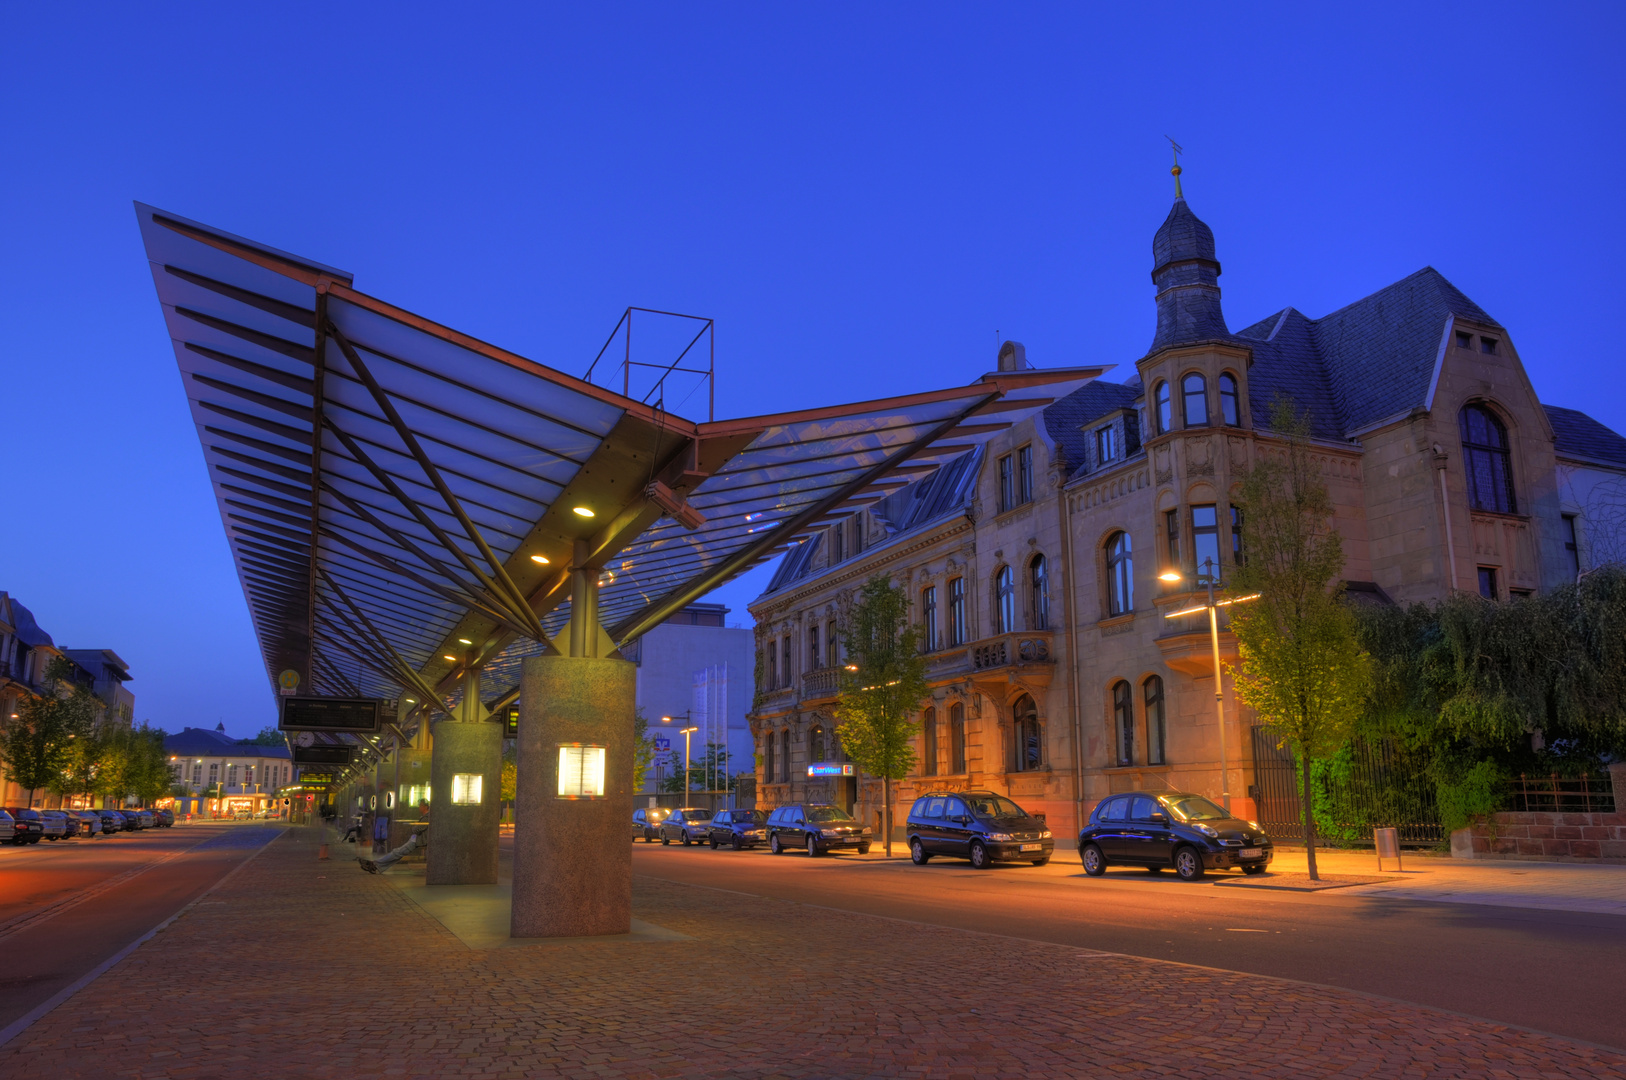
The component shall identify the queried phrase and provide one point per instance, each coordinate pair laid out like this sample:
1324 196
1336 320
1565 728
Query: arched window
1029 746
784 756
815 743
1155 726
1005 600
1194 395
1123 722
1120 575
928 750
1039 582
1230 405
1489 464
957 738
1163 412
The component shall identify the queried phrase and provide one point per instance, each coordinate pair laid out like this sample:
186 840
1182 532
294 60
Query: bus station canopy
404 502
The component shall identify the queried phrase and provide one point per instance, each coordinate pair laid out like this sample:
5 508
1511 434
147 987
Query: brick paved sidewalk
762 989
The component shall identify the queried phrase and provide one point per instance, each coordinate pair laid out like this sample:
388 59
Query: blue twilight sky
865 197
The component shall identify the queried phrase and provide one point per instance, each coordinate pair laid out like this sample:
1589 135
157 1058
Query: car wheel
1253 869
979 856
812 848
665 840
863 849
712 840
917 853
1094 864
1041 862
738 844
1188 864
685 837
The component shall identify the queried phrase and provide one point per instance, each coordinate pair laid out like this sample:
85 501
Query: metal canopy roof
387 484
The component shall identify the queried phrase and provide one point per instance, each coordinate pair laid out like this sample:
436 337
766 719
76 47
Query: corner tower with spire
1187 278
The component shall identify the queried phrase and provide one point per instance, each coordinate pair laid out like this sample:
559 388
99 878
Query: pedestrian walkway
736 986
1440 879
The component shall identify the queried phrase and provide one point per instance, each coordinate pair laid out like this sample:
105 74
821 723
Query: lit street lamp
686 732
1209 572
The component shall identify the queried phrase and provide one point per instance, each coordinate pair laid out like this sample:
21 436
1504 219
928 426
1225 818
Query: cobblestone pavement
295 968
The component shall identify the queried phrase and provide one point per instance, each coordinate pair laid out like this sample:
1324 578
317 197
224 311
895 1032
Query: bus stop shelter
422 517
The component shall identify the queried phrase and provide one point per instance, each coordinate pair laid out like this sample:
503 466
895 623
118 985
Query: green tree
882 685
1301 667
268 736
710 767
643 748
38 748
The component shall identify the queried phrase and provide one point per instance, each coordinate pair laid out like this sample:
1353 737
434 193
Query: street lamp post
685 732
1210 572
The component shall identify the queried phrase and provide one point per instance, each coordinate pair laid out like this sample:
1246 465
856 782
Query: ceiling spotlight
543 559
450 657
465 641
583 511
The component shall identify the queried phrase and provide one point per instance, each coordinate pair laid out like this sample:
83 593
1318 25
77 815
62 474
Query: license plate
1252 852
1031 847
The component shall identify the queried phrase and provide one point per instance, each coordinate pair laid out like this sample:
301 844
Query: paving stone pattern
764 989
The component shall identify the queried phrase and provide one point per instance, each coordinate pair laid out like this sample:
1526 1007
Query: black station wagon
976 825
815 827
1170 828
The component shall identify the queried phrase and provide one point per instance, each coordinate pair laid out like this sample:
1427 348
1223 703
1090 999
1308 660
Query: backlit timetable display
581 771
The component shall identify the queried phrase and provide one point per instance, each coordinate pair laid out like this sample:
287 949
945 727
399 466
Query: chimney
1013 357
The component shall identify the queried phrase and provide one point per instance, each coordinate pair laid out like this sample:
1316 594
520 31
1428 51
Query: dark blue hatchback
1170 828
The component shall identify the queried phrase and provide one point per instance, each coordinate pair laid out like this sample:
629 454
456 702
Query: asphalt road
1554 971
66 906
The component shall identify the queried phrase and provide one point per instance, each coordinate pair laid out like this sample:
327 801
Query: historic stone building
1037 565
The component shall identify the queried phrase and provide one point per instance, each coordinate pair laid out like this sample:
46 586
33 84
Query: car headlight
1254 825
1046 835
1207 830
829 832
999 836
867 831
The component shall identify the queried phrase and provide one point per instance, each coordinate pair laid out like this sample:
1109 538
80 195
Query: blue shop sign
829 769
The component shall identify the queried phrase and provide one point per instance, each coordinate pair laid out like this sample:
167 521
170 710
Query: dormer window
1487 345
1464 340
1106 444
1194 391
1164 410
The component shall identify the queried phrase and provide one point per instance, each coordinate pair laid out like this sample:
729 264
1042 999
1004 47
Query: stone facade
1039 559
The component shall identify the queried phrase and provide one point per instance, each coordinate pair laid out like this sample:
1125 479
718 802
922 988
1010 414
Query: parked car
112 821
9 831
59 824
90 822
162 818
738 829
688 826
977 825
139 819
27 826
816 827
646 823
1170 828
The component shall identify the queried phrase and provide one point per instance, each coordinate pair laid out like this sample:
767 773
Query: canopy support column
465 777
573 795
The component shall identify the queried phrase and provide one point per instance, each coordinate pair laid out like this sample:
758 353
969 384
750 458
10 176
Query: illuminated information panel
581 771
830 768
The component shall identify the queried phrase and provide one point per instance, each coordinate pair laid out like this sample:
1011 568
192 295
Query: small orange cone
321 853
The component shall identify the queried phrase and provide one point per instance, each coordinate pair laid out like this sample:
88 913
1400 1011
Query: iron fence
1554 794
1372 786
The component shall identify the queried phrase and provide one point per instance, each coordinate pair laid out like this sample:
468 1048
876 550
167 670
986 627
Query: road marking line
22 1024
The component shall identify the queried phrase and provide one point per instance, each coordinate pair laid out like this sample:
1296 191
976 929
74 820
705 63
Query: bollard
1387 842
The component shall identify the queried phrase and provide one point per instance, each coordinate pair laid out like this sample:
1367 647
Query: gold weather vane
1178 194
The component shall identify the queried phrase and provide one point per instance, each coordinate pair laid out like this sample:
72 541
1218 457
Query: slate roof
201 742
27 629
948 490
1575 433
1066 420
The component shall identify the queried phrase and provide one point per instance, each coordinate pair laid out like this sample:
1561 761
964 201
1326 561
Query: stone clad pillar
463 836
572 861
